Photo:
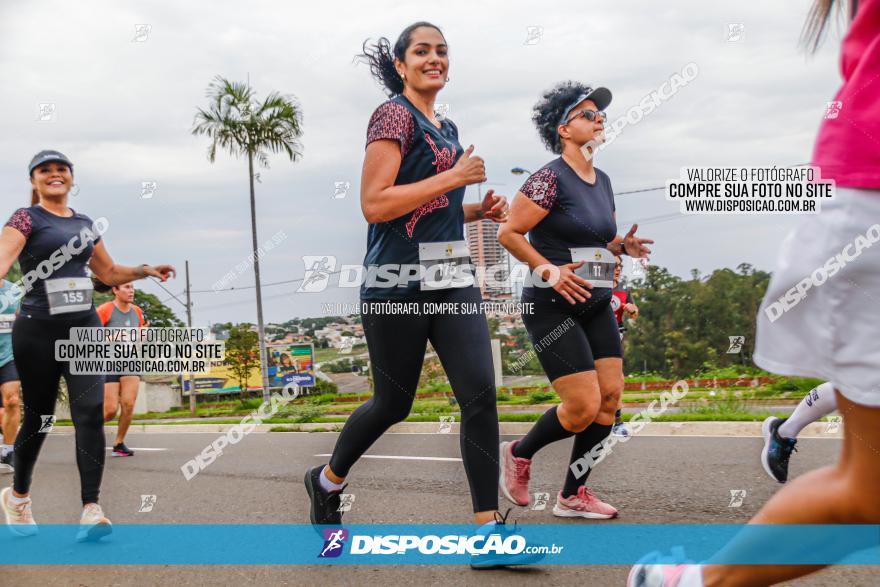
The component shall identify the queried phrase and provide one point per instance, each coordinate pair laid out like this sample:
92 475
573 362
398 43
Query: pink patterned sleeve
540 188
392 121
21 221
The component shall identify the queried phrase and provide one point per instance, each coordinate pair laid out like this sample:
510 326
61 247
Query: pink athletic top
848 145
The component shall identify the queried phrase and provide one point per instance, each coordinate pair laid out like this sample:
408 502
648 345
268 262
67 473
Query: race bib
445 265
599 266
69 294
6 321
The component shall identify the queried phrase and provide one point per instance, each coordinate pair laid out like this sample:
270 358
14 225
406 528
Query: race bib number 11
598 268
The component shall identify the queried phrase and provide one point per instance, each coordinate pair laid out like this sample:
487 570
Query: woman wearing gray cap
54 244
567 209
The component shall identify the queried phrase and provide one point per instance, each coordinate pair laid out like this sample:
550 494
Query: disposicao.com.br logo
402 544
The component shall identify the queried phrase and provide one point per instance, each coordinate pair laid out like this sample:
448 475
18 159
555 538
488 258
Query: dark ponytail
35 197
380 57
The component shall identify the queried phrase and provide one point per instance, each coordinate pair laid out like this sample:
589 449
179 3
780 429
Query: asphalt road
649 479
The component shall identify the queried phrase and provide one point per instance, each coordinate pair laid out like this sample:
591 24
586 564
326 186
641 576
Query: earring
74 189
447 80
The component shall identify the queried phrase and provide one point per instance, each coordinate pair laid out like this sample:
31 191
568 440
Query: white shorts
821 314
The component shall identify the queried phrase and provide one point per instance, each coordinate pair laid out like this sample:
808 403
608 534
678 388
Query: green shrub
323 387
251 404
436 387
503 397
425 407
539 397
300 413
324 398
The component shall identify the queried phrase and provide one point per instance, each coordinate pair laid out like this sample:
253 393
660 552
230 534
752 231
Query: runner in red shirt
120 390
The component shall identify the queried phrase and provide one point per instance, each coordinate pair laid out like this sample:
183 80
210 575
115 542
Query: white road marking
404 458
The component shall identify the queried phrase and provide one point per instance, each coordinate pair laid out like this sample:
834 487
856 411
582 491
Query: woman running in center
567 209
412 190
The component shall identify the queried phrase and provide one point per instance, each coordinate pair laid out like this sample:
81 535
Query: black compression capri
568 338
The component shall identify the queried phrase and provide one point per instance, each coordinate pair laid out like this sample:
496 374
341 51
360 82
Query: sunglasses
590 115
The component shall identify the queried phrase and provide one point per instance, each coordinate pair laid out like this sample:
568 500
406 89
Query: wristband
143 271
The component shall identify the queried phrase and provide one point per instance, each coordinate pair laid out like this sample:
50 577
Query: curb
717 429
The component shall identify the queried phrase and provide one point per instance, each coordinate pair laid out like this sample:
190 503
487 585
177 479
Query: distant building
487 252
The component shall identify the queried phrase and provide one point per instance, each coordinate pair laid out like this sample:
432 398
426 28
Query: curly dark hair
380 57
547 112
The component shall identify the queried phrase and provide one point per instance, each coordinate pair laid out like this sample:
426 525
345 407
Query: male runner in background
622 304
10 386
121 390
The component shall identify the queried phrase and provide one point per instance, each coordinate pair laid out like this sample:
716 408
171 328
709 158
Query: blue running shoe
494 560
777 450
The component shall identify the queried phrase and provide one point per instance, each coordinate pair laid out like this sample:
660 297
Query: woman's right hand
469 170
571 286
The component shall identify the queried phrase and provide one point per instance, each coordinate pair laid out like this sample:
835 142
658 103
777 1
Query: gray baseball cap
47 156
601 96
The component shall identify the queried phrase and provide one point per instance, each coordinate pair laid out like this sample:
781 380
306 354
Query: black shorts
115 378
8 373
568 338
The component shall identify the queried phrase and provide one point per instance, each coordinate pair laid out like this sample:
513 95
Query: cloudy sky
124 100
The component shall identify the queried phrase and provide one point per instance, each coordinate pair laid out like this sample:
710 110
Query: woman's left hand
635 246
160 271
494 207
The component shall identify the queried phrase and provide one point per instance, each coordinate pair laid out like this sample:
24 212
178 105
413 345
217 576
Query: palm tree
237 122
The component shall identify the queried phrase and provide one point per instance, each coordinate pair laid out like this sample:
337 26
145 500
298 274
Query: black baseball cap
601 96
46 157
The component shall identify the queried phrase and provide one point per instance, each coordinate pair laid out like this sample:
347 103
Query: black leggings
33 346
397 351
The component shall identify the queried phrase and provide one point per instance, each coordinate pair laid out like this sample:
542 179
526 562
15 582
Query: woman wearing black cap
567 208
54 244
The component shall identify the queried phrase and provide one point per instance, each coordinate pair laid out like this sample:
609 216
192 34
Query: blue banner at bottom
566 544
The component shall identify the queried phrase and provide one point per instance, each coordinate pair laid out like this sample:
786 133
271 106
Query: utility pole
189 323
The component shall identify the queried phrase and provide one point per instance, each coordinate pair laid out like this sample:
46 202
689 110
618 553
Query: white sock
691 577
820 402
7 448
327 484
15 500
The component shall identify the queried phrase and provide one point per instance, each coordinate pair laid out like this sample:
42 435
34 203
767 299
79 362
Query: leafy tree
685 325
242 354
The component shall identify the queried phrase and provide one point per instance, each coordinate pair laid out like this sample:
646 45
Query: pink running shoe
583 505
655 575
515 473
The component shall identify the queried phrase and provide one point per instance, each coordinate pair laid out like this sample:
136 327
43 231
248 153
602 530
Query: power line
254 286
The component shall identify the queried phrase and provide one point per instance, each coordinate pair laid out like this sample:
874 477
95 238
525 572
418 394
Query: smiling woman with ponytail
415 172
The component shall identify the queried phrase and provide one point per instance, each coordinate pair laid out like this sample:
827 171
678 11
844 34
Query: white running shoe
93 525
19 518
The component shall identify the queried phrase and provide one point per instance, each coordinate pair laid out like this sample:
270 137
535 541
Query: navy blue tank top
56 246
426 151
